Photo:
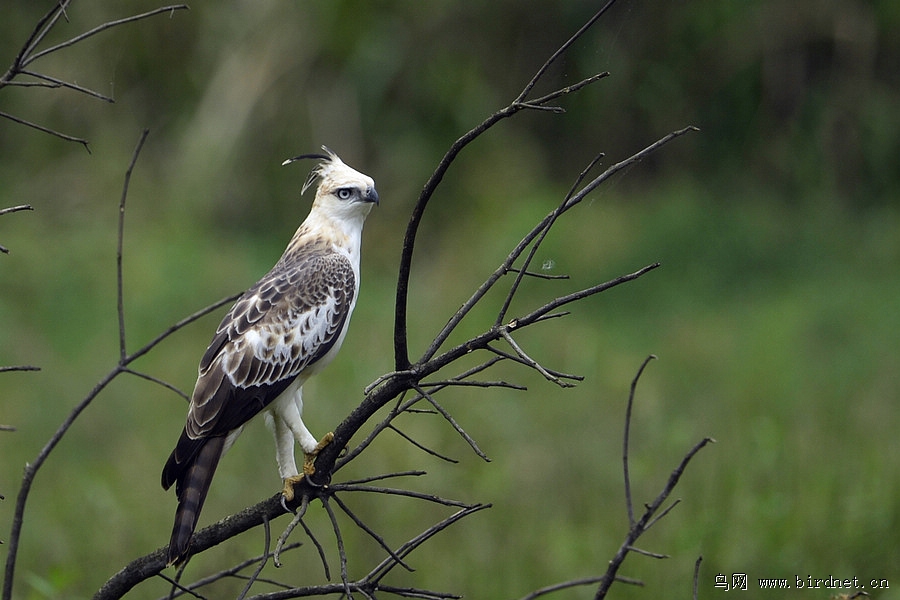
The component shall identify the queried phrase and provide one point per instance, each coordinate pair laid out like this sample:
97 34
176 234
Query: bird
288 326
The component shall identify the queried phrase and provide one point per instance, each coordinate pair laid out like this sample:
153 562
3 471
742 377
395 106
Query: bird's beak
371 196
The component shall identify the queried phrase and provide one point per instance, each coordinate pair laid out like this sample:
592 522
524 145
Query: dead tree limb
29 53
32 467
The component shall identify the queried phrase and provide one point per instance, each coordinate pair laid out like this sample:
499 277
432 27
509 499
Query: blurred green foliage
774 315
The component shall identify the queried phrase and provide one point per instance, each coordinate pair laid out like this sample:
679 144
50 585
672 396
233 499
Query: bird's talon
287 492
313 483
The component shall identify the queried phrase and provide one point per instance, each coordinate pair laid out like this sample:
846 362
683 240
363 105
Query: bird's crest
330 163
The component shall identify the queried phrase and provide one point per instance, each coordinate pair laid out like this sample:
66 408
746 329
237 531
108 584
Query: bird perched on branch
284 329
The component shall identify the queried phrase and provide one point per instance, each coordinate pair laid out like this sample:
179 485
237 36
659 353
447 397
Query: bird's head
343 192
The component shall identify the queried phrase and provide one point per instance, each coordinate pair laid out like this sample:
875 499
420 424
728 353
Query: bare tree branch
52 132
53 82
30 58
562 50
543 230
12 209
32 467
374 535
19 368
422 447
233 571
120 286
697 576
401 350
530 361
571 200
638 527
562 586
262 561
28 54
462 432
627 437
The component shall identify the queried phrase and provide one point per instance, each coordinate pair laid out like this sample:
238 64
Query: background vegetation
774 315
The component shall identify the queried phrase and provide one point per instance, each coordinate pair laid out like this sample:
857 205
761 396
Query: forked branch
33 467
401 350
29 53
652 514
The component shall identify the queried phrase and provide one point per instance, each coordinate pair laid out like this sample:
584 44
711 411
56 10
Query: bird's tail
191 489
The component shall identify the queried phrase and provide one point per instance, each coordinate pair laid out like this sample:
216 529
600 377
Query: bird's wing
286 322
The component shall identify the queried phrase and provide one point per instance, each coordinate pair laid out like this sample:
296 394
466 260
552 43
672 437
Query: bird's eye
344 193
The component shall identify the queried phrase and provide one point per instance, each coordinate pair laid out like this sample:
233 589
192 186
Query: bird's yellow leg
308 468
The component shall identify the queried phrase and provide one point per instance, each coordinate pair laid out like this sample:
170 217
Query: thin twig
481 384
383 476
386 565
371 532
342 552
627 436
158 381
43 26
537 275
120 287
422 447
232 571
319 548
662 514
561 586
539 103
176 588
108 25
504 331
282 539
19 368
542 231
401 492
52 132
561 50
518 359
28 54
697 576
637 550
59 83
462 432
12 209
262 562
408 592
